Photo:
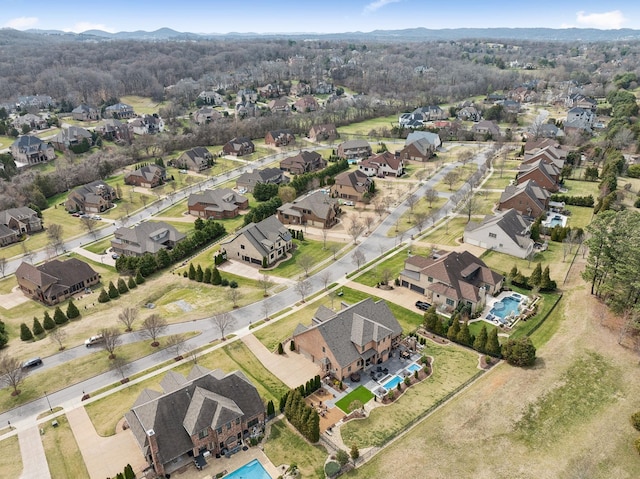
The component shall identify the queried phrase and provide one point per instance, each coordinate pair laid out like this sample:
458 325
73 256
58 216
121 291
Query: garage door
414 287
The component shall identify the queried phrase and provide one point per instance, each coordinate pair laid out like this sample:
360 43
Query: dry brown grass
10 459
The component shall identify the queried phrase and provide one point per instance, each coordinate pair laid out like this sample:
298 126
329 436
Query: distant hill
406 35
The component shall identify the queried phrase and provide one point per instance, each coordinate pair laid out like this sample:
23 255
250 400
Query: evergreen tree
48 322
546 283
271 411
431 320
122 286
292 346
318 381
280 349
283 401
207 275
72 310
480 344
216 279
139 278
493 345
192 272
59 317
519 352
513 273
113 291
37 327
314 429
198 224
199 274
536 276
464 335
454 329
163 259
342 457
128 472
104 296
131 283
355 452
25 332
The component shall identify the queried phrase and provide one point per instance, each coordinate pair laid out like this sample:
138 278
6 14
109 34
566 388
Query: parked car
348 203
115 255
93 340
422 305
32 363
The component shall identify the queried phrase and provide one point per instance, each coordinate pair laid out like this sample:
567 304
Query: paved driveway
34 461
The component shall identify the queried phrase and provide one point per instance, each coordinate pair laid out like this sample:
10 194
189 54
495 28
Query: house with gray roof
216 204
85 113
207 412
94 197
22 220
239 146
314 209
506 232
119 111
31 150
350 340
260 244
147 237
195 159
250 179
7 236
303 162
71 136
352 149
527 198
148 176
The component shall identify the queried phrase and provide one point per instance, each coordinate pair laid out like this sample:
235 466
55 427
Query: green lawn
364 127
581 188
100 246
314 249
580 217
142 105
10 458
452 366
394 263
485 202
447 234
407 220
285 446
360 393
502 263
60 447
497 183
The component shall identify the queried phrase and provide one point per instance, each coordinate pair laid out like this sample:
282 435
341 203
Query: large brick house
31 150
326 132
420 146
147 237
261 244
85 113
303 162
384 164
71 136
148 176
216 204
94 197
546 175
119 111
352 149
527 198
195 159
313 209
279 138
351 185
22 220
207 411
250 179
350 340
55 281
239 147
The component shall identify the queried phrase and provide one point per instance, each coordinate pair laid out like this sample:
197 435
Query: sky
326 16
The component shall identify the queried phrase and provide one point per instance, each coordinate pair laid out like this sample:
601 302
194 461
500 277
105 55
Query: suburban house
147 237
211 97
114 130
120 111
384 164
580 118
469 113
217 204
420 146
351 149
325 132
261 243
418 117
195 159
547 150
34 122
350 340
21 220
206 114
452 279
206 412
250 179
506 232
85 113
34 101
323 88
546 175
306 103
148 176
147 125
279 138
271 91
8 236
580 101
351 185
239 147
526 198
314 209
31 150
300 89
486 128
279 105
303 162
247 110
94 197
247 94
55 281
71 136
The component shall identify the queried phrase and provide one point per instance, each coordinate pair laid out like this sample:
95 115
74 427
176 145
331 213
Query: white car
93 340
349 203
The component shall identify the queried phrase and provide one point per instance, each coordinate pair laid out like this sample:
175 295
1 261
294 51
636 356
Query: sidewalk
34 461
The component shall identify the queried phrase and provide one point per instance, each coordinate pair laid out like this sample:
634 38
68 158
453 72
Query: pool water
392 383
413 367
505 307
555 221
251 470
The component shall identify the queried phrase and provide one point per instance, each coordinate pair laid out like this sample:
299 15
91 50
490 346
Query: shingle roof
223 199
355 179
529 188
147 237
510 222
431 138
263 235
319 203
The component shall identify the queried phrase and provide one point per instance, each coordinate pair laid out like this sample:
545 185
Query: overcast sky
326 16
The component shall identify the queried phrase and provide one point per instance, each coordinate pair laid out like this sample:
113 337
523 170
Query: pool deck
491 301
236 461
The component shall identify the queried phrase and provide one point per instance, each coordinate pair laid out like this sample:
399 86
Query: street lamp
47 398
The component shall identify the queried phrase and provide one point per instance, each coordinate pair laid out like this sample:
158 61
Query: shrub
399 387
37 327
224 282
48 322
139 278
637 443
415 374
342 457
113 291
59 317
292 346
72 310
131 284
199 274
390 395
280 349
122 286
519 352
635 420
216 279
355 452
104 296
25 332
407 380
331 468
233 284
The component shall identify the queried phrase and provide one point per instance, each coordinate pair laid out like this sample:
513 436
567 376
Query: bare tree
175 343
110 340
325 233
27 254
152 327
265 310
57 336
234 296
3 265
430 195
223 322
385 275
465 156
305 261
355 229
411 203
358 258
54 233
419 219
89 224
334 248
325 277
11 372
450 179
122 366
265 283
379 207
302 287
368 222
471 205
127 316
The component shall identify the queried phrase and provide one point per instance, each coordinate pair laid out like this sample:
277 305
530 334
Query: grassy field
142 105
395 264
360 393
10 458
291 267
485 202
407 220
581 188
447 234
106 412
552 257
363 128
63 455
497 183
580 216
286 446
452 366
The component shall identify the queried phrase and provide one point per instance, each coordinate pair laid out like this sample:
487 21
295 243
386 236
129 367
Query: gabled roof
148 172
319 203
354 144
355 179
197 153
263 235
548 169
387 159
432 138
29 143
303 159
223 199
512 223
55 276
147 237
21 214
529 188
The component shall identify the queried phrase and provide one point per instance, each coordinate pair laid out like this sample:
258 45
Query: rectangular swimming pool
392 383
414 367
251 470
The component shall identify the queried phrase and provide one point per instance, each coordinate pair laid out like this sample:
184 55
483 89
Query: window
219 430
241 246
430 279
323 349
450 302
204 433
237 420
492 235
228 426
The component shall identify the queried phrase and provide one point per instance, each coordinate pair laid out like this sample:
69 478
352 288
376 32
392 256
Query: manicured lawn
364 127
99 247
447 234
452 367
502 263
485 202
286 446
476 326
497 183
580 217
60 447
106 412
142 105
407 220
360 393
394 263
581 188
314 249
10 458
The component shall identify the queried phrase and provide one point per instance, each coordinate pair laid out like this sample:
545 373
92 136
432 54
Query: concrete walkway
34 461
292 369
104 456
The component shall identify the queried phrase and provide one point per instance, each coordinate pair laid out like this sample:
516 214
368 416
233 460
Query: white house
506 232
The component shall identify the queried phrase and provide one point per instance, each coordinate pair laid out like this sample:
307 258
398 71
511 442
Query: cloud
607 20
84 26
378 4
22 23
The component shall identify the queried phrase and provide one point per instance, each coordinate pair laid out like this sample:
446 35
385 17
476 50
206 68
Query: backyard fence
544 318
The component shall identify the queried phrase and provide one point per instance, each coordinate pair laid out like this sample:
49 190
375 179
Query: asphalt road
371 246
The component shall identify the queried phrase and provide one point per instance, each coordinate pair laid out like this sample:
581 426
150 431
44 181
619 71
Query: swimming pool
413 367
505 307
392 383
251 470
